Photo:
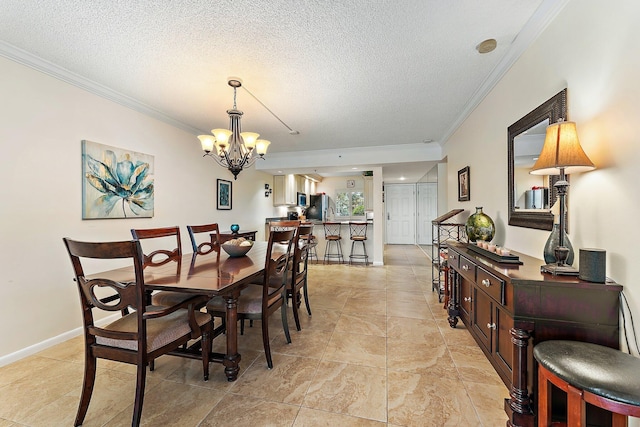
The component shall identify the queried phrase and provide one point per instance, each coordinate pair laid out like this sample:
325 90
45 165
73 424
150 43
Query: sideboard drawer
453 259
491 285
467 268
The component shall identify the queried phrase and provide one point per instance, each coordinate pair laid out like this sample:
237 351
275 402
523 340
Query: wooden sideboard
509 308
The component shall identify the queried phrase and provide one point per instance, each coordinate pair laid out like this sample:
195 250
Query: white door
400 203
427 211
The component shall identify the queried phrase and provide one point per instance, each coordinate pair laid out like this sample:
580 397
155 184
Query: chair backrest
357 229
301 251
127 294
331 229
283 225
160 256
207 246
276 270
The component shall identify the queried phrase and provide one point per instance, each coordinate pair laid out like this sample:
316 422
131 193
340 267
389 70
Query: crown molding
544 15
32 61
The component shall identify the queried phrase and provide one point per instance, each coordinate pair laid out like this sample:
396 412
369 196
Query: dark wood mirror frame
553 109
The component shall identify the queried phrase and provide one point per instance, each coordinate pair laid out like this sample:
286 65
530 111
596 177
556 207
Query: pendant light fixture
232 148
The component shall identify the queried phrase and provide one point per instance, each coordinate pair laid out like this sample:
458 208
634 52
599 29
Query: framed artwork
116 183
464 185
224 194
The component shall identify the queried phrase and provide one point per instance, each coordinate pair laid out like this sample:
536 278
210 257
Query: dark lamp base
559 270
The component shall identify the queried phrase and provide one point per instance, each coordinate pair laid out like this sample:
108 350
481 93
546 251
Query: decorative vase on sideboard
480 226
552 243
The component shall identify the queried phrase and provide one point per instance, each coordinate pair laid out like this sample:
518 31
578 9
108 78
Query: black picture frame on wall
224 194
464 185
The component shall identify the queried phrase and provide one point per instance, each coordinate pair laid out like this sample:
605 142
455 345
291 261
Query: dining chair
160 257
297 278
206 246
283 225
258 302
136 338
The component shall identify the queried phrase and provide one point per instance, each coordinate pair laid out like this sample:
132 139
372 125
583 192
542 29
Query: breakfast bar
345 242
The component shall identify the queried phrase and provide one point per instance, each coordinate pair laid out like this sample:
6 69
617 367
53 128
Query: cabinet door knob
467 299
465 267
486 282
491 326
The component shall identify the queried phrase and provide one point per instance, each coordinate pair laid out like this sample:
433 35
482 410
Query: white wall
590 48
42 123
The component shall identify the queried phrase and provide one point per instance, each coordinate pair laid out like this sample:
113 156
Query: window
349 203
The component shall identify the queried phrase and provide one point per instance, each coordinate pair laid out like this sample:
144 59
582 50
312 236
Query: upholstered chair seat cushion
160 331
600 370
250 301
169 298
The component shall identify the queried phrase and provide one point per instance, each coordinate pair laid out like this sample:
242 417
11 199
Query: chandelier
234 149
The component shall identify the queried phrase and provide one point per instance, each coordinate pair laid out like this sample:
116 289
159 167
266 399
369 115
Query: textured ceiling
351 73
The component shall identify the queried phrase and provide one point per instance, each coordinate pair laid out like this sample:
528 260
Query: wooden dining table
212 275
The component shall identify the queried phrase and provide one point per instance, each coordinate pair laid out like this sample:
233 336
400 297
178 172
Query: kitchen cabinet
284 190
300 184
368 193
509 308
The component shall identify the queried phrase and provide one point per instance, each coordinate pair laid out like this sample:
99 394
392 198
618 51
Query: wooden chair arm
192 303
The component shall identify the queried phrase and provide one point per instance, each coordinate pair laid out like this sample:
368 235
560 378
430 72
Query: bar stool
358 233
333 238
313 242
588 373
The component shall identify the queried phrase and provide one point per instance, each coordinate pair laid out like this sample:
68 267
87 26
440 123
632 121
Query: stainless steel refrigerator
320 207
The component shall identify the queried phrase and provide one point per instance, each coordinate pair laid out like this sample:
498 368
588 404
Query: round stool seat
597 369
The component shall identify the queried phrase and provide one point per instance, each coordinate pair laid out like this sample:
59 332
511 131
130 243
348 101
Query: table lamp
561 155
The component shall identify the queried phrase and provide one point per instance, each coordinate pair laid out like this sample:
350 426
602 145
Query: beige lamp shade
249 139
207 142
562 150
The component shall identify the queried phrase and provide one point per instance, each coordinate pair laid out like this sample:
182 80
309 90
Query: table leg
232 358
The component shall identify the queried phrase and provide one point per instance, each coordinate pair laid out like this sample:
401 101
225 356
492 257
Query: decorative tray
505 259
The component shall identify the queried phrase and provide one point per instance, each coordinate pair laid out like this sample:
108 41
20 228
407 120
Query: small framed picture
464 185
351 183
224 194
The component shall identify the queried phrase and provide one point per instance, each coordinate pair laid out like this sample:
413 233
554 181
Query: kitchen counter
318 232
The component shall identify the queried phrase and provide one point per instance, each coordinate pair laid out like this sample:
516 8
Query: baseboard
36 348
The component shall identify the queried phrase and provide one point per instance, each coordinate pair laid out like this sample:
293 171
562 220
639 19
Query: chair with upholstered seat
297 278
284 225
588 373
205 246
136 338
258 302
159 257
333 248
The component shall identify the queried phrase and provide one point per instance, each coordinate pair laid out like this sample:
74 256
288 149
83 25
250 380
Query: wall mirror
531 197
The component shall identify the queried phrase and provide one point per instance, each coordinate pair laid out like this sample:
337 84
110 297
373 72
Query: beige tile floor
378 351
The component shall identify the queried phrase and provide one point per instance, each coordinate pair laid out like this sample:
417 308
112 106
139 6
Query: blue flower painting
116 183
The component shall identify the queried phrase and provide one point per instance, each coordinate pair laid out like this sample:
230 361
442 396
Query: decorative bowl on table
237 247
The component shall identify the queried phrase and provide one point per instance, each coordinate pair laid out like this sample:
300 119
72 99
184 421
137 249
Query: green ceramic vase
480 226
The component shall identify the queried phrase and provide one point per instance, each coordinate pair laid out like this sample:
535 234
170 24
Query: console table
508 308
